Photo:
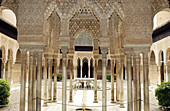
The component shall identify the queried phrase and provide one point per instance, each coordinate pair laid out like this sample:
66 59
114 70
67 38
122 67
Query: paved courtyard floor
81 98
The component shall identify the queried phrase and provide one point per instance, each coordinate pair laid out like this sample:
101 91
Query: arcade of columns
114 27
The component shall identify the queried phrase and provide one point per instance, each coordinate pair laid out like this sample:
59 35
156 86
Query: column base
45 104
70 101
118 101
95 101
49 101
113 102
122 105
54 100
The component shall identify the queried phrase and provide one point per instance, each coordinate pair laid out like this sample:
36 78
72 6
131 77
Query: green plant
59 76
162 94
4 92
109 77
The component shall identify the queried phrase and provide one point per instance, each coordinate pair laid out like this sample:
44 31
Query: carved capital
104 50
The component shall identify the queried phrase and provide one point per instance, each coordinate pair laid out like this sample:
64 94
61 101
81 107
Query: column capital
64 50
104 50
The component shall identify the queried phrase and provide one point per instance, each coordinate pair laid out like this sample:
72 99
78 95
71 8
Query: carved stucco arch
159 5
85 58
10 4
152 57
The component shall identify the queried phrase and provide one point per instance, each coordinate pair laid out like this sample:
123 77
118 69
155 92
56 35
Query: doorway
85 69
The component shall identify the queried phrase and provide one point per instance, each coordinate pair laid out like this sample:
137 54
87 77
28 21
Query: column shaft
50 80
118 80
137 72
64 50
45 83
23 80
75 71
81 69
168 70
30 81
122 89
104 83
95 82
55 81
88 69
135 85
3 69
129 83
146 82
71 78
112 82
34 79
10 71
39 78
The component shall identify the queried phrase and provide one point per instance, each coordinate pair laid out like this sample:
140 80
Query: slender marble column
118 80
122 89
45 83
30 81
49 80
10 71
159 74
137 72
168 70
95 81
88 69
34 79
3 69
55 81
146 82
81 69
75 71
39 78
23 80
129 82
112 82
134 85
71 79
6 70
64 50
104 83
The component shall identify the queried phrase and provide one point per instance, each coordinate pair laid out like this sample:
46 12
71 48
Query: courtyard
82 98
